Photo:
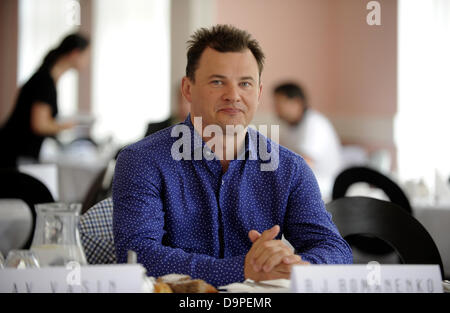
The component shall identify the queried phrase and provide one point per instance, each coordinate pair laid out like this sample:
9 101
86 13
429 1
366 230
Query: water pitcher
56 240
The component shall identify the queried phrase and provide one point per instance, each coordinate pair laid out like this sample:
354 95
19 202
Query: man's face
289 110
226 89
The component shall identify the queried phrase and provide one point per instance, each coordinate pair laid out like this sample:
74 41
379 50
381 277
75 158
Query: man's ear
260 92
186 89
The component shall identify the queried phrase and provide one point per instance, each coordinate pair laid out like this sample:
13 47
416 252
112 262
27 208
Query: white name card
370 278
123 278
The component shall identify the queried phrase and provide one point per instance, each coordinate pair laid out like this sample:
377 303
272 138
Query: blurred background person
182 109
34 115
308 133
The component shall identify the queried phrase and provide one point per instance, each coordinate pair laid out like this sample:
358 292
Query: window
131 67
422 123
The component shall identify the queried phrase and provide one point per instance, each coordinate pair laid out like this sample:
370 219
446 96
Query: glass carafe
56 240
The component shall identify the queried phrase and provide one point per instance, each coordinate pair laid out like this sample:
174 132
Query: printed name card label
73 279
370 278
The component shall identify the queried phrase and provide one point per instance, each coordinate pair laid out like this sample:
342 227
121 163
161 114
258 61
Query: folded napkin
250 286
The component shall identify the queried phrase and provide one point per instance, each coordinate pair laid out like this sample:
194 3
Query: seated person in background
182 110
308 133
213 209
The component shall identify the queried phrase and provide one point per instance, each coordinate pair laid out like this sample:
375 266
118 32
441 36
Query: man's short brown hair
222 38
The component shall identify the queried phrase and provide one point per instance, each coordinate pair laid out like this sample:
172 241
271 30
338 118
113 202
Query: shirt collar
250 141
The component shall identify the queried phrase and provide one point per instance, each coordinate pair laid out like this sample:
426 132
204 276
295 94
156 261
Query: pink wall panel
347 66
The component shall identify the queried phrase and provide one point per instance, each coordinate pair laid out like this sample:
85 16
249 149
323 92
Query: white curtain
423 120
131 67
42 26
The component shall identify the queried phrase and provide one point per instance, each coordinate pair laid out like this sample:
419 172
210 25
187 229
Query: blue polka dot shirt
187 217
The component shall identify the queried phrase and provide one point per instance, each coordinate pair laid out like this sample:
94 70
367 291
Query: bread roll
162 288
172 278
180 283
192 286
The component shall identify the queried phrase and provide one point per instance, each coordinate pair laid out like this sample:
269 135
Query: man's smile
230 111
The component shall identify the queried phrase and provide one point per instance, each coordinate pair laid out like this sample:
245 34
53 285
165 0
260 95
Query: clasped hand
269 258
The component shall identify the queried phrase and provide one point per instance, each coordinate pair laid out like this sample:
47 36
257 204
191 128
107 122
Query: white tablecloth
436 220
76 179
16 224
69 173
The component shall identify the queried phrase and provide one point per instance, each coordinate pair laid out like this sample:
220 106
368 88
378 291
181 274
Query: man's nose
231 94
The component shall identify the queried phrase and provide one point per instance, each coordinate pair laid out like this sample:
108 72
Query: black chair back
367 175
359 174
388 222
17 185
101 187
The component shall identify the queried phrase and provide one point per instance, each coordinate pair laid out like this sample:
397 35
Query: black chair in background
101 188
388 222
156 127
370 176
17 185
365 244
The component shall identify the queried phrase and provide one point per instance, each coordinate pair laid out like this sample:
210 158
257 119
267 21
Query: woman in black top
33 117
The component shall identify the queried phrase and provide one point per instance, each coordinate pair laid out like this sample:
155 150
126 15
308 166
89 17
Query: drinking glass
2 261
21 259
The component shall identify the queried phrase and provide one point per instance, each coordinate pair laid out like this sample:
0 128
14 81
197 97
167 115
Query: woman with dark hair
33 117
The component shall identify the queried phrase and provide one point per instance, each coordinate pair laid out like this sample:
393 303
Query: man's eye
245 84
216 82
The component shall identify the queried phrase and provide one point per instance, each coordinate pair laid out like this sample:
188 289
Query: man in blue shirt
215 207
